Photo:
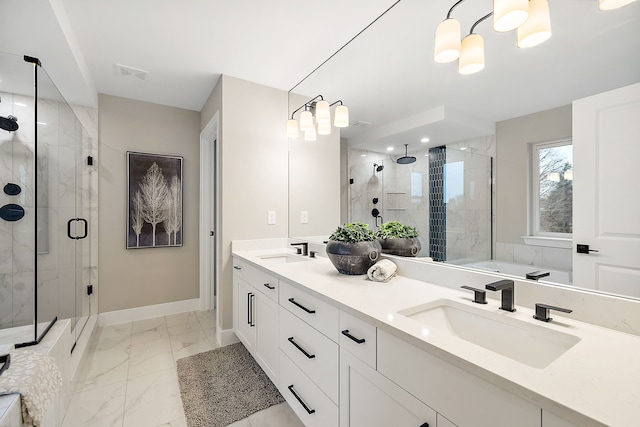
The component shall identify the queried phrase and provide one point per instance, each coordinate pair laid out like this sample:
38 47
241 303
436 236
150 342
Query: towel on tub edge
37 378
382 271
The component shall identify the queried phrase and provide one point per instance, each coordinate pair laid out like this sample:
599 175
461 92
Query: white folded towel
382 271
37 378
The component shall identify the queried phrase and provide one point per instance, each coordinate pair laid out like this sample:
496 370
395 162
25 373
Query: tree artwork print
154 201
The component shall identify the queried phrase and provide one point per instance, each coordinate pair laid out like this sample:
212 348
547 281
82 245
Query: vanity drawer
319 314
309 403
316 355
262 281
359 337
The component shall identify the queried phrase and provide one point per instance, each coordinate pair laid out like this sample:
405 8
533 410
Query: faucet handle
542 311
479 295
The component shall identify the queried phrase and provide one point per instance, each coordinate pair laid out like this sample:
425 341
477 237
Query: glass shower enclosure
47 207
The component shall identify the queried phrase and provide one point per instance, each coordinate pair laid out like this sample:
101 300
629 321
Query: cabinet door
266 348
368 399
245 313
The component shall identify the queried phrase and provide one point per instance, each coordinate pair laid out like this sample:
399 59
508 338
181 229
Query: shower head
9 123
378 168
406 159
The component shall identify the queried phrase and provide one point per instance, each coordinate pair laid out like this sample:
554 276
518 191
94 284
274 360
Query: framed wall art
154 201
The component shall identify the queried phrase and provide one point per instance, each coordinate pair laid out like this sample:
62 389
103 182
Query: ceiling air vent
126 71
360 124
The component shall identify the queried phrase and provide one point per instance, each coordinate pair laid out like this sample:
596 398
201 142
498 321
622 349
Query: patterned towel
37 378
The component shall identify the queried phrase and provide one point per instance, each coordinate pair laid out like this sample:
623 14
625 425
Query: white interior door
606 191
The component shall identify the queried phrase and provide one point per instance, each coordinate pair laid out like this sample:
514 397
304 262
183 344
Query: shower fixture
9 123
406 159
378 168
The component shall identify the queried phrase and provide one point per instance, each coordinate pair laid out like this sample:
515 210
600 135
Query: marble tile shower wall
538 256
61 149
403 195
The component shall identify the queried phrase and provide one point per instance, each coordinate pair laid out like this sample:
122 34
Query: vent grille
131 72
360 124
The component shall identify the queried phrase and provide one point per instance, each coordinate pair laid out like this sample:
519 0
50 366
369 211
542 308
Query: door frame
209 213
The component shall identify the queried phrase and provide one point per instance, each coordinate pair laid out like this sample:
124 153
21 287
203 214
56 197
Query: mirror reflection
492 183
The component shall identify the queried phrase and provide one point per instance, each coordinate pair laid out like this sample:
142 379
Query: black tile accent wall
437 205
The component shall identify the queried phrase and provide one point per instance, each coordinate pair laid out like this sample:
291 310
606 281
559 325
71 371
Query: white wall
139 277
254 172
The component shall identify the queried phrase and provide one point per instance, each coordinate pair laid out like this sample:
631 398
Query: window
553 189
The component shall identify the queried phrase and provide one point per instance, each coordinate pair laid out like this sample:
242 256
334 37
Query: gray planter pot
403 247
353 258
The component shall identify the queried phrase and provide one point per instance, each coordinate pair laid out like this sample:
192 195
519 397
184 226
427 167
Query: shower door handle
84 221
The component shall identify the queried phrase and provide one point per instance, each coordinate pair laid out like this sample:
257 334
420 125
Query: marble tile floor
129 377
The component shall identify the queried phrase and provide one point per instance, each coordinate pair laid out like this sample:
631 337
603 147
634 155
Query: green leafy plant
395 230
353 232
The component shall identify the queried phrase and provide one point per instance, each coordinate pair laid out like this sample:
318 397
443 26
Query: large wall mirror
495 146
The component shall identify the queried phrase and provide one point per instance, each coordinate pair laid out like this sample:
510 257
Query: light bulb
447 42
341 119
323 114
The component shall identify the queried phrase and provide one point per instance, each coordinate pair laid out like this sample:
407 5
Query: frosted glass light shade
292 128
323 114
537 28
341 119
613 4
310 135
509 14
324 128
447 43
306 121
472 54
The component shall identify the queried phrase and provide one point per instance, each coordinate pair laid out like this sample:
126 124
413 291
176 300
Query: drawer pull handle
296 345
249 308
268 286
237 268
304 405
351 337
297 304
252 310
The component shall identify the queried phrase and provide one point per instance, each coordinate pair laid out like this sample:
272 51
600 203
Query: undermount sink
533 345
284 258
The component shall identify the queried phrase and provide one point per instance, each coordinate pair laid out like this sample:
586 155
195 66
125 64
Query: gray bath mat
224 385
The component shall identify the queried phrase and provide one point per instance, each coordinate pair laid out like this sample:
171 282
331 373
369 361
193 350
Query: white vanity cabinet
256 315
460 397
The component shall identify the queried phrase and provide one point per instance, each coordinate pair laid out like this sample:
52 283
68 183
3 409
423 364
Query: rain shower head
406 159
9 123
378 168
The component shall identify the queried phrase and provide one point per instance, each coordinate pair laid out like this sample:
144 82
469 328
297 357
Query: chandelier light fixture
317 112
530 19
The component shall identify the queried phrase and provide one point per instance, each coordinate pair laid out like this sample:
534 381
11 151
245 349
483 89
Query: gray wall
254 172
140 277
512 166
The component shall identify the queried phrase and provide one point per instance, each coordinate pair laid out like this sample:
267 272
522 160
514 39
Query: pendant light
324 128
292 128
323 114
613 4
509 14
306 121
536 29
341 117
471 55
310 134
447 43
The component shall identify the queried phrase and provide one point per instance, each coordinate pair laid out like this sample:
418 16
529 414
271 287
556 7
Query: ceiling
186 46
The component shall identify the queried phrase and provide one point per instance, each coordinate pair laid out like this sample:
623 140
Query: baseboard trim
148 312
226 337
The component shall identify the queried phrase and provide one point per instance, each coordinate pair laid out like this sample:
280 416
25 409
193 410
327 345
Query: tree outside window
554 193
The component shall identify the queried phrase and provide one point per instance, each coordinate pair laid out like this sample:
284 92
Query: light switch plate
271 217
304 217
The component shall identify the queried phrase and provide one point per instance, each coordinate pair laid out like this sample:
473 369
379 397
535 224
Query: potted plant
353 248
398 239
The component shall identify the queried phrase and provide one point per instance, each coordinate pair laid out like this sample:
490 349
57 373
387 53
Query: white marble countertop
596 382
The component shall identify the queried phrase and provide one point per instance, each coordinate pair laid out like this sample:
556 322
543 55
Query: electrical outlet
304 217
271 217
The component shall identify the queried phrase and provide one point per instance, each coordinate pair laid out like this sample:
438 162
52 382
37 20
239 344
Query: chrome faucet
507 288
305 248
